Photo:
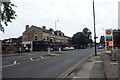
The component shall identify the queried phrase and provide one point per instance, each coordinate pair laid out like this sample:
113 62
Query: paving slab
92 69
111 69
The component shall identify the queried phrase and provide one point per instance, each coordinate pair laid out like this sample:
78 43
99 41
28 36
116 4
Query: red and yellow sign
110 43
108 32
109 49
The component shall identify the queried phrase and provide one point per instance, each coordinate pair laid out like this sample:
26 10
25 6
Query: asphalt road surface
46 66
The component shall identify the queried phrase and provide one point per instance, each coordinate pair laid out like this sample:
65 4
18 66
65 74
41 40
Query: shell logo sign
108 32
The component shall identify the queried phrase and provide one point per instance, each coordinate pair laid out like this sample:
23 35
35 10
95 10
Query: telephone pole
94 29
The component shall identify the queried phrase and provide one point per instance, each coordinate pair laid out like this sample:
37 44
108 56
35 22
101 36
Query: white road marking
98 61
113 63
15 62
73 67
42 57
37 60
9 65
31 59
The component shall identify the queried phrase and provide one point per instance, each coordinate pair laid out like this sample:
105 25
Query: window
36 37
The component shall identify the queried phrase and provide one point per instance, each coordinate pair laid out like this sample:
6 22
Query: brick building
34 34
11 44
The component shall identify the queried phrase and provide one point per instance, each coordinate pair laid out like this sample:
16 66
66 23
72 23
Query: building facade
39 35
11 45
34 33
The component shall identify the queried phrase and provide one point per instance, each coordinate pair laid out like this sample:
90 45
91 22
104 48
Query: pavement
97 67
92 68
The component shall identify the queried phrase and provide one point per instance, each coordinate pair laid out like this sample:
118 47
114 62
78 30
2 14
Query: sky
73 16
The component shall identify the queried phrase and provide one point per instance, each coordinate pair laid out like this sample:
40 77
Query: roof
50 31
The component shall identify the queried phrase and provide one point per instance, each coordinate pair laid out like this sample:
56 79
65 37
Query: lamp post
94 29
56 24
56 31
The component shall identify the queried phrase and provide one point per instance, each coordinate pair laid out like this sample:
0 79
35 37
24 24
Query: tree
7 13
79 38
87 34
102 40
117 40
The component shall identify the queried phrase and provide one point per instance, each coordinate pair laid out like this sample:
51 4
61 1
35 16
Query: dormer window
57 33
52 32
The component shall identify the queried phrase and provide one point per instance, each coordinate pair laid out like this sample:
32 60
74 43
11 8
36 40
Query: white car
51 49
66 48
71 48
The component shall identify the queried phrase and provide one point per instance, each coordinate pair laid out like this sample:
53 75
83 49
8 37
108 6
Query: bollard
48 50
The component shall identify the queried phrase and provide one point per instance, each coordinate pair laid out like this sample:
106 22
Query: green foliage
87 34
82 38
79 38
8 14
102 40
117 40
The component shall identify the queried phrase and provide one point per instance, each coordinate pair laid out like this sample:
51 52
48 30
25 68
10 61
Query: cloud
74 15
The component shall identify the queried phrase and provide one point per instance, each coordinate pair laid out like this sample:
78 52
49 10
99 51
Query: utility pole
94 29
0 14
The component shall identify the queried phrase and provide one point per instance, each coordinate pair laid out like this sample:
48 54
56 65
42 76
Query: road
21 57
47 67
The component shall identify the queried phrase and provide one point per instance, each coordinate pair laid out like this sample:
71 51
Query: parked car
71 48
65 48
100 47
51 49
68 48
82 47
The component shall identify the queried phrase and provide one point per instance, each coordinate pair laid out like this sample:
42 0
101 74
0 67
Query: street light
56 24
94 29
55 30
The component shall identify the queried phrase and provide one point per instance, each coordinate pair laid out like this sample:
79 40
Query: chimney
44 27
27 27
